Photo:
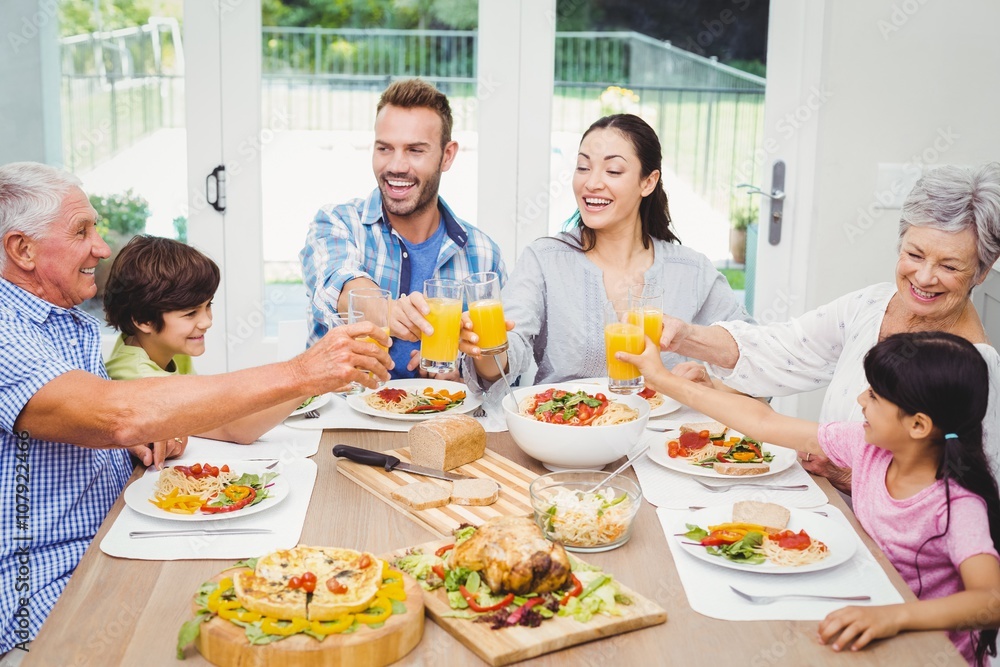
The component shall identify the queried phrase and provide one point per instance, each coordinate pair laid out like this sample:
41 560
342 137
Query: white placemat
668 488
338 415
280 443
708 593
285 519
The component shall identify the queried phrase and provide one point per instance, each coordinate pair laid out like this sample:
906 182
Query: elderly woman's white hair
31 195
953 199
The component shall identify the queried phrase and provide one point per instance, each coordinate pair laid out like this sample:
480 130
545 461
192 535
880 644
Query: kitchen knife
391 463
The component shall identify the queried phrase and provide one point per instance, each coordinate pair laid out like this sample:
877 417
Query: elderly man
64 426
402 233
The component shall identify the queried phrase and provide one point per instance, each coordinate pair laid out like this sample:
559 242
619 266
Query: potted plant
120 217
741 216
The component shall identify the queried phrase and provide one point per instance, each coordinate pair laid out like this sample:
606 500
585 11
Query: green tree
78 16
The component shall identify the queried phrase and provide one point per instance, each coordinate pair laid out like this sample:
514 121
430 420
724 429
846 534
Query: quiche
346 582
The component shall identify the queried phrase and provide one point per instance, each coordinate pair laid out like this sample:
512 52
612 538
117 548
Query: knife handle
365 456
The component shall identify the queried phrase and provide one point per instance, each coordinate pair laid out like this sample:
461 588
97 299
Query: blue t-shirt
423 260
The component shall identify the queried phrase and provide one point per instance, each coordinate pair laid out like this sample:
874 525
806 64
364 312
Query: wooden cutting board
225 644
513 480
502 647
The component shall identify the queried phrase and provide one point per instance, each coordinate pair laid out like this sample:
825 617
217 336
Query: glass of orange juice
340 319
371 304
439 350
646 308
622 335
482 290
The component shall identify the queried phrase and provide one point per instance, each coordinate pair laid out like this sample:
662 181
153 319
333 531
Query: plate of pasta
763 537
659 404
721 458
415 399
206 491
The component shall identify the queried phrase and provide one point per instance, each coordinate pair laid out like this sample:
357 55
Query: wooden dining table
127 612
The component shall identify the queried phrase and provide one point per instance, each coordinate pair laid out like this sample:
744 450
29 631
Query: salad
578 519
590 591
741 450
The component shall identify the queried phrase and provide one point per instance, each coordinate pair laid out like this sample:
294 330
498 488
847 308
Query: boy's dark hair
946 378
416 94
154 275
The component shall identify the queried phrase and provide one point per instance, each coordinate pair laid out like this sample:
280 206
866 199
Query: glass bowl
580 521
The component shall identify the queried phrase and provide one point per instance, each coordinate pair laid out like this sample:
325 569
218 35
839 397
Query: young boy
159 295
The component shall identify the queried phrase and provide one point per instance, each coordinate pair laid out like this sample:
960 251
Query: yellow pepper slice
393 593
333 627
743 527
383 611
227 609
249 616
271 627
215 597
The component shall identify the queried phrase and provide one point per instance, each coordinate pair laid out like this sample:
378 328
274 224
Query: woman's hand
468 342
856 627
414 363
694 371
408 317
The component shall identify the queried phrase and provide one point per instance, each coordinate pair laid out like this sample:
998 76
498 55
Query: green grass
736 277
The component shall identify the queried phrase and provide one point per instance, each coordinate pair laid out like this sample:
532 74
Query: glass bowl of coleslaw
582 520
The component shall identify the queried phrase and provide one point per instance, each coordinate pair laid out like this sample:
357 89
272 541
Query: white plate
317 403
416 385
669 405
839 539
138 493
783 459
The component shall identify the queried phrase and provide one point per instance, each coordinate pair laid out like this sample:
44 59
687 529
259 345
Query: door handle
777 197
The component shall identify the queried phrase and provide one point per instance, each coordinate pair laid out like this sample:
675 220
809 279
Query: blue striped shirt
354 240
53 496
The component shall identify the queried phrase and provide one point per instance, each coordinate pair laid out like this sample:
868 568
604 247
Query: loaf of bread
763 514
422 495
447 441
474 492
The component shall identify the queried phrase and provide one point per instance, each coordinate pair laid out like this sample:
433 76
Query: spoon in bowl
621 468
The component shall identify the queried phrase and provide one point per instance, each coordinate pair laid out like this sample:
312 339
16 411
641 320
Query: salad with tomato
208 489
555 406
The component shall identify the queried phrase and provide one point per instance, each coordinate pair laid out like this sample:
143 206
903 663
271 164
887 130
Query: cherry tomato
295 582
225 468
364 562
335 586
196 469
308 582
601 397
693 441
673 448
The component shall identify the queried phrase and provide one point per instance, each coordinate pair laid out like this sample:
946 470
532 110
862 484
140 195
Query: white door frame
791 117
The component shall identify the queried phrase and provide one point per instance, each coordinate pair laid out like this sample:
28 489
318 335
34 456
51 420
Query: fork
771 487
768 599
694 508
479 412
312 414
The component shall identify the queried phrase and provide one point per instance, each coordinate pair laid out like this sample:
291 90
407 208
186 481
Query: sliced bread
447 441
422 495
474 492
740 468
715 430
763 514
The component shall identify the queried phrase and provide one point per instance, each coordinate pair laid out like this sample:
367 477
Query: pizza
315 583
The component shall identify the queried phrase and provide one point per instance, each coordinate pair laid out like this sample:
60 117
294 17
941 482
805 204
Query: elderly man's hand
155 453
408 317
673 334
343 355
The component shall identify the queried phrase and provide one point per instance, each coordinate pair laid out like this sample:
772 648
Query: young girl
922 486
159 295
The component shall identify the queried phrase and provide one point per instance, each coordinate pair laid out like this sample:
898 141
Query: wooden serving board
513 479
225 644
502 647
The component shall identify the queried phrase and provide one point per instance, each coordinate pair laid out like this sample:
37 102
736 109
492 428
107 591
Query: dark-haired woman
558 289
922 486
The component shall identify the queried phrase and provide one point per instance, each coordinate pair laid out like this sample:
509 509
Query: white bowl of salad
575 425
570 513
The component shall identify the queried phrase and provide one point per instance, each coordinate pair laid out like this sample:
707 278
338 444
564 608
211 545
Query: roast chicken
512 556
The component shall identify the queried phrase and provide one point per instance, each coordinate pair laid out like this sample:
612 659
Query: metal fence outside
121 86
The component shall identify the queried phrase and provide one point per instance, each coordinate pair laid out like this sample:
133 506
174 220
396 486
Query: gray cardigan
556 298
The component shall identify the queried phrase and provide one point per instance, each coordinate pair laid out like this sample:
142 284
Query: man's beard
427 194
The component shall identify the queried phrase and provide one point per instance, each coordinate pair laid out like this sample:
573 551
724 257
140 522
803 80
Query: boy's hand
856 627
408 317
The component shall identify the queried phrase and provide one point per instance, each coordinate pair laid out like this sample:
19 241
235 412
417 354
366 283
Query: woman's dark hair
152 276
946 378
654 211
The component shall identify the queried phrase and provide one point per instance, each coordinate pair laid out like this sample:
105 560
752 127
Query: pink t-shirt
899 527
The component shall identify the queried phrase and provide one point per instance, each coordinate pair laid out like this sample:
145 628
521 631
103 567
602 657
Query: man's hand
155 453
673 334
339 358
408 317
414 363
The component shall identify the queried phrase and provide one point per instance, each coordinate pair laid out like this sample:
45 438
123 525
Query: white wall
908 82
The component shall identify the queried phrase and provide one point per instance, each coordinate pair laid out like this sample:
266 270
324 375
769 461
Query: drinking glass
339 319
621 335
482 291
371 304
439 350
646 308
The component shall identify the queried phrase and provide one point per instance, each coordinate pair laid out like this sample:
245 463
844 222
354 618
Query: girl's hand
468 341
694 371
856 627
649 363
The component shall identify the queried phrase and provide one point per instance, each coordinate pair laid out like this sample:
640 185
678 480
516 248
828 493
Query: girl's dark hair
946 378
654 211
153 275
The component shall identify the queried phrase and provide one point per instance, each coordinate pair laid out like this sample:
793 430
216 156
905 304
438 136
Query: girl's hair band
951 436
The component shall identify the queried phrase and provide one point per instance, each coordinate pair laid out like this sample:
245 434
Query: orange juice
622 337
651 320
488 323
446 318
369 339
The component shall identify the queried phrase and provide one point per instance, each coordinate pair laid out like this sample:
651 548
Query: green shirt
130 362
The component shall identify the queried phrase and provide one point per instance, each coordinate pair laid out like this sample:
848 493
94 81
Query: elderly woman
557 291
949 237
66 424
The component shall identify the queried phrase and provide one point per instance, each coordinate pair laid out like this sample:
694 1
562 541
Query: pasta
778 555
402 405
616 413
204 487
